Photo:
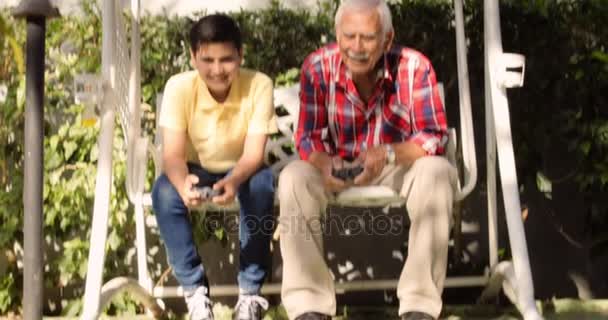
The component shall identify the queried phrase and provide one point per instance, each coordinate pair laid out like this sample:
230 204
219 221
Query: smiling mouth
220 79
358 57
360 61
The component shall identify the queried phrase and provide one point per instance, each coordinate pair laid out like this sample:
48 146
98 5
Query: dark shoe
313 316
415 315
250 307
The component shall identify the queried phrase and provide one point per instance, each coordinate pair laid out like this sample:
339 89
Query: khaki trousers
428 187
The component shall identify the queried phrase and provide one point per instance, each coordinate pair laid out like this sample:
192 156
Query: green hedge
561 109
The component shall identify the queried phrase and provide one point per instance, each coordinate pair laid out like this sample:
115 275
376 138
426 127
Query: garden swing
117 91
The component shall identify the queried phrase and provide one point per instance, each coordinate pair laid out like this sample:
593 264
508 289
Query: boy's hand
190 196
227 188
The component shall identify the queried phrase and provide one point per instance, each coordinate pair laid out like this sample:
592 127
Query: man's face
361 42
218 65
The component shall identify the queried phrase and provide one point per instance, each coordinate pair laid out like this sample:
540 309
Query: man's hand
331 183
190 196
373 161
325 163
228 187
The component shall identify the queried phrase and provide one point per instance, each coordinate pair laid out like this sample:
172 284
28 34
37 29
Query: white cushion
368 196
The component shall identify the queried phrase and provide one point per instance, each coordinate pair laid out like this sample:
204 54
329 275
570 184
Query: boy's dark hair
215 28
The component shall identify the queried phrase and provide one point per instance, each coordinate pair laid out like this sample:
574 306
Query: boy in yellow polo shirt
215 123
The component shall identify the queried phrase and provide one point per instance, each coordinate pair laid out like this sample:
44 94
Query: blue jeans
256 198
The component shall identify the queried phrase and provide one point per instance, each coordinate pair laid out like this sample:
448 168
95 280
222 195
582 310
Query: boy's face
218 65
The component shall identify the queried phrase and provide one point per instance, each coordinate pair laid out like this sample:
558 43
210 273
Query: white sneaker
199 305
249 307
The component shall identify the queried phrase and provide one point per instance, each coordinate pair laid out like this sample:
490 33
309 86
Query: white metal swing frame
121 70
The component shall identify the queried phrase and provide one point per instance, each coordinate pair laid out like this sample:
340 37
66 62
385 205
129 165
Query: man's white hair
380 5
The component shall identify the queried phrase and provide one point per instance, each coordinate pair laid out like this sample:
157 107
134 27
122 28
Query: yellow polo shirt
217 131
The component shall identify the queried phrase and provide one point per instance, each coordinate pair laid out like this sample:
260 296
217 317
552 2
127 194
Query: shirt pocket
231 133
396 120
201 130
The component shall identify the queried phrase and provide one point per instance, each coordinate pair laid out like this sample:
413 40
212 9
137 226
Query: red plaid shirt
346 126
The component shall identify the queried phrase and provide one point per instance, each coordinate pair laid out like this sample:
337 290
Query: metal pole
103 181
464 95
35 12
522 284
32 189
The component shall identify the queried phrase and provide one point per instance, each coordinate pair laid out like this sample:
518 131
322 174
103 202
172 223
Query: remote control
207 192
347 173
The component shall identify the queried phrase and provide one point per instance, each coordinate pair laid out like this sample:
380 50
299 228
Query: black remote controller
207 192
347 173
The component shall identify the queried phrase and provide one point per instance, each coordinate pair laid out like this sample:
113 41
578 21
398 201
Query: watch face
390 154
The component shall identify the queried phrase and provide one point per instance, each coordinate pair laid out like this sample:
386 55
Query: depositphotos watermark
331 224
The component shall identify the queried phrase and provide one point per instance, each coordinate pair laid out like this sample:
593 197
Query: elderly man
366 101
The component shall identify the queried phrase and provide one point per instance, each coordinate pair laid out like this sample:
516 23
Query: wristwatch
390 154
